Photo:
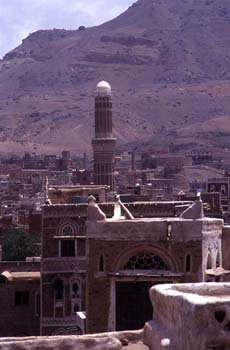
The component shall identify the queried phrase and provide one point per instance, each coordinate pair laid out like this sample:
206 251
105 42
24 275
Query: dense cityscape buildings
115 195
108 228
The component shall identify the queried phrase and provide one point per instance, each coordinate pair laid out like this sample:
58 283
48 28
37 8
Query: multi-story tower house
63 268
104 142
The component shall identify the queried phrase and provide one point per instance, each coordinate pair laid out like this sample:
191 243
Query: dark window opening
209 262
223 189
218 260
220 315
75 290
68 247
188 263
59 288
101 263
21 298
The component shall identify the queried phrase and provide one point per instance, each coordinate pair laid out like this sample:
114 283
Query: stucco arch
145 248
72 225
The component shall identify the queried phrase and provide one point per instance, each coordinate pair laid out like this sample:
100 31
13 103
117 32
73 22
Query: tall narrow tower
104 143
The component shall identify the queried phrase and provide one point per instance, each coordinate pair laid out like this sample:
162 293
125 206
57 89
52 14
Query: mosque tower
104 143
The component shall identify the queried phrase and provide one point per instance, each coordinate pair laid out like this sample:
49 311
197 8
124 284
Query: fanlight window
68 230
146 261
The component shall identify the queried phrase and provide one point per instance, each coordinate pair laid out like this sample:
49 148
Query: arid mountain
168 64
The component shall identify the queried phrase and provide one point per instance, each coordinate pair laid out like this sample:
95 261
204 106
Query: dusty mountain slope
167 62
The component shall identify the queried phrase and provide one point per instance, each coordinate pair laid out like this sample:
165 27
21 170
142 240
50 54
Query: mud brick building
63 268
19 298
64 263
125 256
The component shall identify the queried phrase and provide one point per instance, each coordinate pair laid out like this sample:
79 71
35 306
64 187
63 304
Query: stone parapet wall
103 341
155 229
62 343
189 316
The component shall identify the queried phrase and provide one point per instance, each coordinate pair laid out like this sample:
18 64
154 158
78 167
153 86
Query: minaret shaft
104 143
103 117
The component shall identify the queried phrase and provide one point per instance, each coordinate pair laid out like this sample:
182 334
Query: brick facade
182 245
62 277
19 299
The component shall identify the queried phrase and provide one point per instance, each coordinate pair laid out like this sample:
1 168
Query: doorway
133 306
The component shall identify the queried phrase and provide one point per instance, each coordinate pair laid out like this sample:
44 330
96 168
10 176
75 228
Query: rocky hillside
167 62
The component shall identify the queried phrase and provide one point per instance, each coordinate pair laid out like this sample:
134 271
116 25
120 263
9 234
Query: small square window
68 247
21 298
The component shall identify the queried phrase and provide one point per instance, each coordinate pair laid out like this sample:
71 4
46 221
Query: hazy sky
18 18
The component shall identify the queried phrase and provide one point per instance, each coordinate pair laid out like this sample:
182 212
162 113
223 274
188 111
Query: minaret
104 143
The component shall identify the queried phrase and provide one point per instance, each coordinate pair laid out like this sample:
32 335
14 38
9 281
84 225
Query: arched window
75 289
67 228
59 289
101 263
209 262
146 261
188 263
75 295
223 189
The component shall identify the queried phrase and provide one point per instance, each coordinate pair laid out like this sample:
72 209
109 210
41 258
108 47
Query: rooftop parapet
190 316
191 225
170 229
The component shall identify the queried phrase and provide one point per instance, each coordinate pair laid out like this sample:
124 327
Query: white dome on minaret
103 88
